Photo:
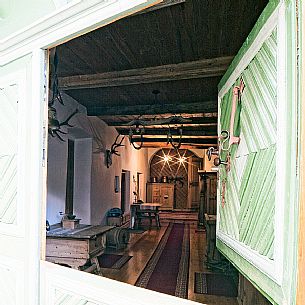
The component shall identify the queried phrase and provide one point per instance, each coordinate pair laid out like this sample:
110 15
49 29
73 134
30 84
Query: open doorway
178 170
116 91
125 194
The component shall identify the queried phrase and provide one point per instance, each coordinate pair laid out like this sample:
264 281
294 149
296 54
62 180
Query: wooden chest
75 247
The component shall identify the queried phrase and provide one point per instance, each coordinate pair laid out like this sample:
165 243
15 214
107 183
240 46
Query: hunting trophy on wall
54 126
101 145
113 151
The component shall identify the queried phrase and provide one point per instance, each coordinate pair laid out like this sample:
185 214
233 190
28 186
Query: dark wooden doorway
123 192
70 178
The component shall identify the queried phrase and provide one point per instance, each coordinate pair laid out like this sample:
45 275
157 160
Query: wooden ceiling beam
187 132
211 126
186 70
195 122
183 146
188 137
164 4
109 118
152 109
211 142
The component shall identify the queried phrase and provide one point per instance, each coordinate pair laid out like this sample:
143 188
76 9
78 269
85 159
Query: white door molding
69 21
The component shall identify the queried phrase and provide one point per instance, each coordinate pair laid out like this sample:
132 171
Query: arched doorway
179 168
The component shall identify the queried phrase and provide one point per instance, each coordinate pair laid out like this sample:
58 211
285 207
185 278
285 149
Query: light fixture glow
166 158
182 159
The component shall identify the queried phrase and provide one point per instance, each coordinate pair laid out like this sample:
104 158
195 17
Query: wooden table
136 206
76 247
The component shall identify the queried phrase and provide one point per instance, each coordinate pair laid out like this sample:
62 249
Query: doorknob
218 161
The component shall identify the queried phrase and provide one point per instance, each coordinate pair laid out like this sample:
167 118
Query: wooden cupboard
162 193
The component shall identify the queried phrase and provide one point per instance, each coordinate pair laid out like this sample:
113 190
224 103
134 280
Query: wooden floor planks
142 246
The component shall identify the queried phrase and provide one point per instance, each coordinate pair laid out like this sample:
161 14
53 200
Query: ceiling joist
209 141
187 131
176 137
186 70
109 118
205 121
183 146
152 109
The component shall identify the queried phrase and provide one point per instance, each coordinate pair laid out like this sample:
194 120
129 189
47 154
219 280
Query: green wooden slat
248 214
269 9
258 121
245 177
232 210
258 118
267 238
266 198
250 199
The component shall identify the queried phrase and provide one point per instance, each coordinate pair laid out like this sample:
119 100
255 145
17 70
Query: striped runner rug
167 271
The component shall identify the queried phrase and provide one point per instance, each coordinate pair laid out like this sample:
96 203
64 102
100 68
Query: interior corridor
142 247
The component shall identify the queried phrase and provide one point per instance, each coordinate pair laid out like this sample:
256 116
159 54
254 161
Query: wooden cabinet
162 193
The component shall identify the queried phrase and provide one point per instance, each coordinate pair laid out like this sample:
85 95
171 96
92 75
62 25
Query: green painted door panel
257 194
251 179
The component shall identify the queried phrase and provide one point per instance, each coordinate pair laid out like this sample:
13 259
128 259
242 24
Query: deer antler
66 122
112 150
115 145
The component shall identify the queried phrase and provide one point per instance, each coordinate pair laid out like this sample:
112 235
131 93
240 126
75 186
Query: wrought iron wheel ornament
137 127
139 131
171 140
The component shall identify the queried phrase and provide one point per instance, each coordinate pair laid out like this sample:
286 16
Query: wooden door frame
300 296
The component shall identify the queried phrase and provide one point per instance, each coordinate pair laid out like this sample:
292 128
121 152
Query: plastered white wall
82 178
101 194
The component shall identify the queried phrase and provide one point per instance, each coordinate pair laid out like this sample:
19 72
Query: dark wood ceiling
114 70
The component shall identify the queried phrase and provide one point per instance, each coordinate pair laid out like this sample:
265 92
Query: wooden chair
150 214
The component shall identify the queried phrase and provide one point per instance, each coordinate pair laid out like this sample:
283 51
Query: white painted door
25 277
21 106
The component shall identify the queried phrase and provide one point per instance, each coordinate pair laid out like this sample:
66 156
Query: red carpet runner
168 268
